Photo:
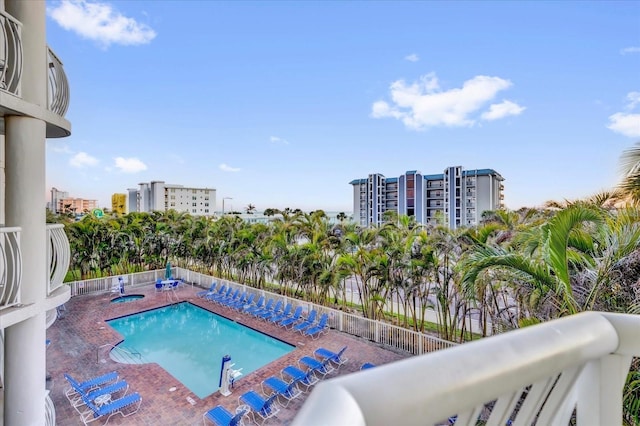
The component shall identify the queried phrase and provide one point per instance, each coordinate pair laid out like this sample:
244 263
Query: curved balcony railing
10 54
59 255
58 88
10 267
49 411
567 371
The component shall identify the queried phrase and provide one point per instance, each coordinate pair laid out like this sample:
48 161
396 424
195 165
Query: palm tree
630 168
250 209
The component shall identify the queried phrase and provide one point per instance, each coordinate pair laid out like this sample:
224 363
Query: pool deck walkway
77 337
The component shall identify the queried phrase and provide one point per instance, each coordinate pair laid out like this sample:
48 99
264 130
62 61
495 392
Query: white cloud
226 168
100 22
129 165
423 104
634 99
628 50
625 124
412 58
501 110
275 139
82 160
59 147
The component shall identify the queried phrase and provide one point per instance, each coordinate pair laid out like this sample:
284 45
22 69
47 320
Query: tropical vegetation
516 268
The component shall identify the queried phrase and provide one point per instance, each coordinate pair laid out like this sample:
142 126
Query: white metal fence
379 332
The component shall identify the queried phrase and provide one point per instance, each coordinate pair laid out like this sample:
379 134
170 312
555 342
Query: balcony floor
76 336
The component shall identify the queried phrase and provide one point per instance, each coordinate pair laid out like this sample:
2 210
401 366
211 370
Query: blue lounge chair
282 315
268 307
220 416
264 315
112 389
159 285
220 292
297 314
90 384
114 407
317 329
265 408
218 297
258 305
321 367
366 366
229 298
307 323
287 391
306 379
242 298
337 358
242 303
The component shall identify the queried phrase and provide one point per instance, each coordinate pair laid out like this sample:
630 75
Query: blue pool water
128 298
189 342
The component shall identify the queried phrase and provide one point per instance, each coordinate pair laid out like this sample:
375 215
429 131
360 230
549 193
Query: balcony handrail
59 255
10 54
10 266
58 88
540 374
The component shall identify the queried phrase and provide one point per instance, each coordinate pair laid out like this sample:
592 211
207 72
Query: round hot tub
127 298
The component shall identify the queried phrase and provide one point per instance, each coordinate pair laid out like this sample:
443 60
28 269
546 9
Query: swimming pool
189 342
128 298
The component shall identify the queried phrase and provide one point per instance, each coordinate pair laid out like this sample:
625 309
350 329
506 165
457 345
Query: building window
193 210
194 204
206 210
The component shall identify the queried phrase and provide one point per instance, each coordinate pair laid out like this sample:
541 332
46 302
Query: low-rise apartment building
158 196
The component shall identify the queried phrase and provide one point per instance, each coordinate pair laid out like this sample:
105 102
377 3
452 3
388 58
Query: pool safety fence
388 335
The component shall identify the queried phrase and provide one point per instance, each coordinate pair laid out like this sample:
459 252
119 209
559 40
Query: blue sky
282 104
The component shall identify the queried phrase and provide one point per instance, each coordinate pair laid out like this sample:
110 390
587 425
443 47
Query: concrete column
25 362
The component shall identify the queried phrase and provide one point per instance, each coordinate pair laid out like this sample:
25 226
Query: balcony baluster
10 267
59 255
10 54
58 88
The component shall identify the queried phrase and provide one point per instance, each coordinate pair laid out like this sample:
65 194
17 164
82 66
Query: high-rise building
158 196
459 196
119 204
56 196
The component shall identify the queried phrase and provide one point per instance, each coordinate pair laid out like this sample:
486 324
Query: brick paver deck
77 336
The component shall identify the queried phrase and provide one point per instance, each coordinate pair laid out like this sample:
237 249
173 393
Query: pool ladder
121 355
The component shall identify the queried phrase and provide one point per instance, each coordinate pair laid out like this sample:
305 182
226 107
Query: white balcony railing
544 375
10 267
58 88
10 53
59 255
49 410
